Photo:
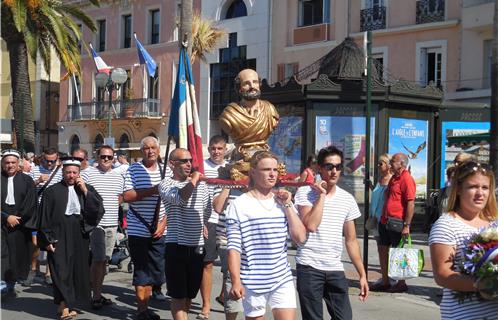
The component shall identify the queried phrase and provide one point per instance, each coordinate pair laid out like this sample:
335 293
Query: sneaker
158 295
29 280
48 280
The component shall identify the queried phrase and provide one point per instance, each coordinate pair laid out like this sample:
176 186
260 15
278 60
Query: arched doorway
236 9
75 143
98 142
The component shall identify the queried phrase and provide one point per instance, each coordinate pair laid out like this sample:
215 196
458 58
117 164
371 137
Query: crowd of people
177 226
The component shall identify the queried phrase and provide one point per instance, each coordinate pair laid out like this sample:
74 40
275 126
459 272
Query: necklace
261 203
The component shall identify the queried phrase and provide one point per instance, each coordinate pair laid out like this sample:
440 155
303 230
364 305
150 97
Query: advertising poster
410 137
469 137
348 135
285 142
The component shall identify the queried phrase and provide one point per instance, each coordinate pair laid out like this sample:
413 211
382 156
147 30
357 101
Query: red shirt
400 190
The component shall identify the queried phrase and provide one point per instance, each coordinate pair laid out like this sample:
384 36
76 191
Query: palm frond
205 36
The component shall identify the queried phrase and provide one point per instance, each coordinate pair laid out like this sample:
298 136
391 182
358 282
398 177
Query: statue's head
247 84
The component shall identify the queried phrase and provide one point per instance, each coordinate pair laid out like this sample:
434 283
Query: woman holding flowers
471 209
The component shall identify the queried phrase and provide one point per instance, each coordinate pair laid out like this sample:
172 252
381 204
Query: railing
430 11
373 18
121 109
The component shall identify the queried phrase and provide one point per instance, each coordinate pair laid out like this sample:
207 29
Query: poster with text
409 136
469 137
285 142
348 135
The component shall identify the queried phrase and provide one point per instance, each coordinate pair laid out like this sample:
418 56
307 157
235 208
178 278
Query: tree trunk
493 143
186 23
21 95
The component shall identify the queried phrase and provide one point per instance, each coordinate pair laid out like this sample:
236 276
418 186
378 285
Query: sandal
202 316
99 303
219 299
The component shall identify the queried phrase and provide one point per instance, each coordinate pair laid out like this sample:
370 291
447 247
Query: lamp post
111 81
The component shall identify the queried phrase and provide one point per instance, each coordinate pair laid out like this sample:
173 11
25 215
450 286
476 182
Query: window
75 143
487 64
232 60
101 35
369 4
378 64
433 64
313 12
126 90
127 31
155 20
236 9
75 108
154 86
98 142
80 27
124 141
287 70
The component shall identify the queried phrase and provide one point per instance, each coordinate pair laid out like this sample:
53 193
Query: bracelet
287 205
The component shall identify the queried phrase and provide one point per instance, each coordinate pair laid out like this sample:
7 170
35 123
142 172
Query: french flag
99 63
184 118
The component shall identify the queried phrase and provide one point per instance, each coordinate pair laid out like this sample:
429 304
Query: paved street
420 302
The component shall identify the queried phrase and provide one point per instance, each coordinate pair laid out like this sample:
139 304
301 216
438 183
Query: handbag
405 262
394 224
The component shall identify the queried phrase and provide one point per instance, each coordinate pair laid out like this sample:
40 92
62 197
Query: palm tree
205 36
32 28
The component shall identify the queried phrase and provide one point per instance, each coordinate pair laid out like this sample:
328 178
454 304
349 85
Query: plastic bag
405 262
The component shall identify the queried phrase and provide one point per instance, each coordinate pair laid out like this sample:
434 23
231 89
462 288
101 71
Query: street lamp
111 81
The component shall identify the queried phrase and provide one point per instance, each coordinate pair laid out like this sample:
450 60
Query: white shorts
283 297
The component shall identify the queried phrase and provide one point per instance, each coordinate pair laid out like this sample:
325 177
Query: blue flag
146 58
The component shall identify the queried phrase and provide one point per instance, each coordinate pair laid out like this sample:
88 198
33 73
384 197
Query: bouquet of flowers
480 260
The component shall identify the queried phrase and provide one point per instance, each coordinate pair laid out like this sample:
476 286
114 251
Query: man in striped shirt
188 206
217 148
109 185
146 240
328 212
257 225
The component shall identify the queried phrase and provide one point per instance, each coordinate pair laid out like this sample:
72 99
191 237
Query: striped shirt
259 234
110 186
38 171
451 231
185 219
322 249
211 171
221 229
139 177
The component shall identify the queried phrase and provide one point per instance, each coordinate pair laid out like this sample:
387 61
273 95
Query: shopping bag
405 262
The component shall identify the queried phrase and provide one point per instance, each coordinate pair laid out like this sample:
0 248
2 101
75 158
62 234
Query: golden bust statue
249 122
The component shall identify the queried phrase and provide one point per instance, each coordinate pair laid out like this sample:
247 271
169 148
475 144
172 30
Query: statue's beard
253 94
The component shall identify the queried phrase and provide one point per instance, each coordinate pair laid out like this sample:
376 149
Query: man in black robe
18 205
68 212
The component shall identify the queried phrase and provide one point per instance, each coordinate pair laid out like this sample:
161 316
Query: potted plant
129 108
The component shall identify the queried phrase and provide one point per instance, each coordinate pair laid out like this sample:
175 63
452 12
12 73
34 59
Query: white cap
71 161
11 152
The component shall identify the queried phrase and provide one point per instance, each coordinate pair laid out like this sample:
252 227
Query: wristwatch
405 224
287 205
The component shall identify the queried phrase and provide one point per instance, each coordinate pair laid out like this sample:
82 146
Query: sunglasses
330 166
49 161
184 160
104 157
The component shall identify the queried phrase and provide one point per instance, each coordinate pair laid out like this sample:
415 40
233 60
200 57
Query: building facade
140 107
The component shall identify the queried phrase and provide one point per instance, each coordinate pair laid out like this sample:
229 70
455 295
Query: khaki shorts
102 241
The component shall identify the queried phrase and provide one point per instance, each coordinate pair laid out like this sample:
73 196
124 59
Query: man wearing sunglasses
327 212
187 202
109 184
82 154
399 204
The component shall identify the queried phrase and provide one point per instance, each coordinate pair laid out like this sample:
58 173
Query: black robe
16 242
69 264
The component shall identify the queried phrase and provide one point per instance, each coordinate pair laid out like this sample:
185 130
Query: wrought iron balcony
430 11
121 109
373 18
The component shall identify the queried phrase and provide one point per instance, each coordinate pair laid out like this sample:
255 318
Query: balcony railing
430 11
121 109
373 18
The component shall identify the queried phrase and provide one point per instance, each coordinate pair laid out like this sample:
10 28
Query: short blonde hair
386 158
